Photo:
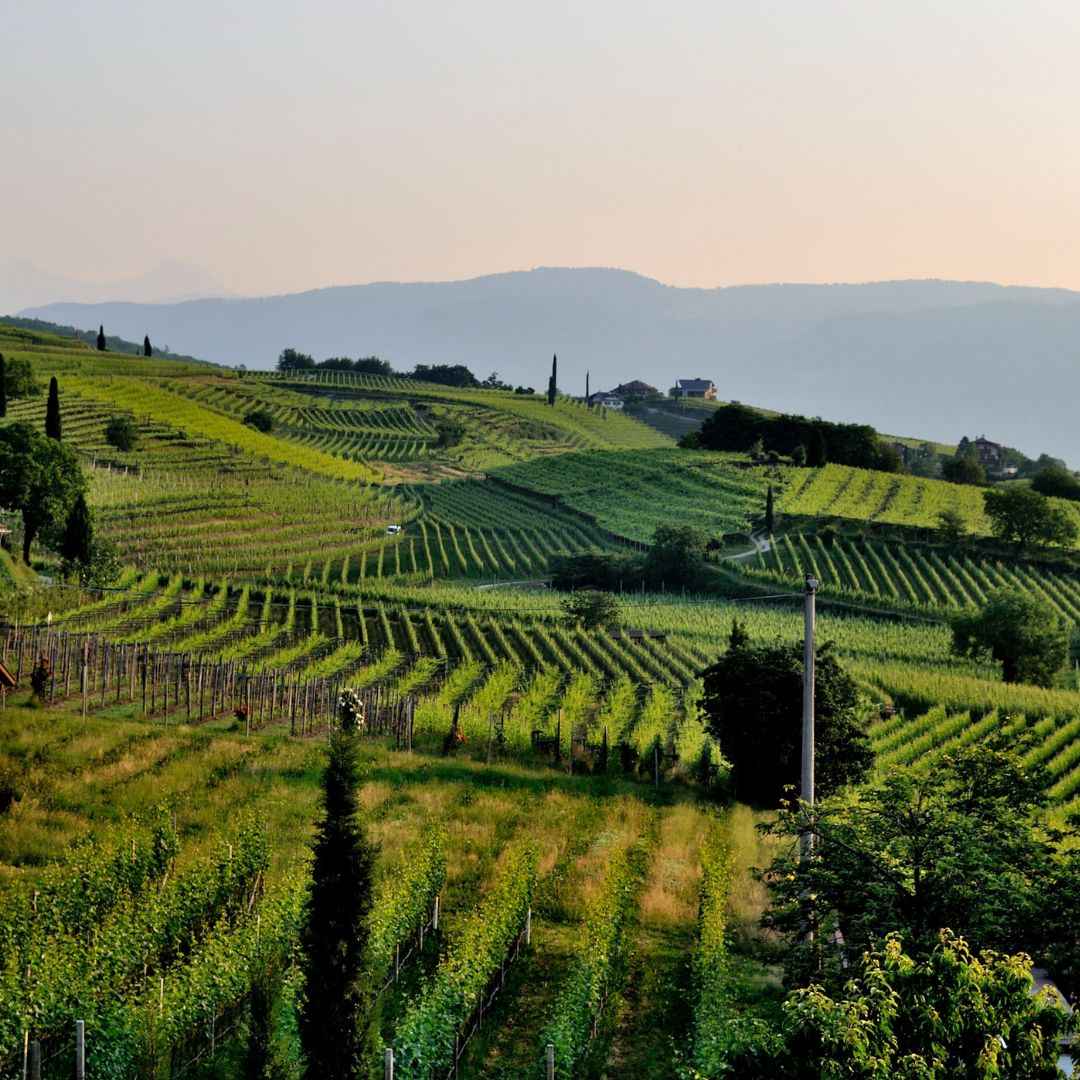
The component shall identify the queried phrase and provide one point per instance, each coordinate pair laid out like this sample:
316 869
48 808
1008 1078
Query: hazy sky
283 146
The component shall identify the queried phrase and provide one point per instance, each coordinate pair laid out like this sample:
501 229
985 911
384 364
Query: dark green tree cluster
1057 481
553 381
740 428
1017 631
752 706
963 469
121 432
40 478
445 375
147 348
18 380
260 420
591 608
675 559
1022 517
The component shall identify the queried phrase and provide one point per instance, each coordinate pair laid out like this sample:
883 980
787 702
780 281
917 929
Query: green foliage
963 469
101 342
451 431
952 526
752 703
956 844
1022 516
77 542
52 411
121 432
19 381
724 1042
591 608
676 555
1056 480
293 360
601 964
444 375
3 386
40 477
404 898
337 932
424 1041
260 420
82 971
948 1014
1020 632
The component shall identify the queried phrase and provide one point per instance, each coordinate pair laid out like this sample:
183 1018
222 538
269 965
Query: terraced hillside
917 577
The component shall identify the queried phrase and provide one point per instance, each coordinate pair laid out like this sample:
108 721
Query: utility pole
806 792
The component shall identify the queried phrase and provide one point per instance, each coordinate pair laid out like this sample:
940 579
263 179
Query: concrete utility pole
807 788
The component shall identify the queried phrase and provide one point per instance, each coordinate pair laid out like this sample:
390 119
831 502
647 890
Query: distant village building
694 388
609 401
990 454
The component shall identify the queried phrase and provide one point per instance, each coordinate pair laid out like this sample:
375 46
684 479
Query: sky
276 147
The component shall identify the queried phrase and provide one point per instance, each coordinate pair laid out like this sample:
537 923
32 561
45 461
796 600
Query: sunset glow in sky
284 146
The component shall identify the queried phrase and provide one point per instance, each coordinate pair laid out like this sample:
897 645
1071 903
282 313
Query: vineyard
910 576
838 491
557 886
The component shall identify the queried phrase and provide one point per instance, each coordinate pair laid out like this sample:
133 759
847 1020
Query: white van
393 530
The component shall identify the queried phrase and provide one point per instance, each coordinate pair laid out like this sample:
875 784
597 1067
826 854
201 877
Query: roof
695 384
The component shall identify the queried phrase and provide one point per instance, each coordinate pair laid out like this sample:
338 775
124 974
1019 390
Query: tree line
457 375
812 442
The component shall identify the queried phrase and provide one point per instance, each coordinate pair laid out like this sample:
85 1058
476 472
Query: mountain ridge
930 356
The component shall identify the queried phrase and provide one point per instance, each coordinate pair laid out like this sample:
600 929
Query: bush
122 433
1057 480
260 420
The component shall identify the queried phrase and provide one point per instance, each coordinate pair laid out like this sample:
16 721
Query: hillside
393 537
824 350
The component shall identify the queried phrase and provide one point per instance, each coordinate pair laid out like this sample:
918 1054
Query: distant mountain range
933 359
22 283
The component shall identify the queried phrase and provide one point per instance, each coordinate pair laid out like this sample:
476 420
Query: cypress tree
147 348
101 338
336 929
552 382
52 411
588 402
3 386
78 540
770 515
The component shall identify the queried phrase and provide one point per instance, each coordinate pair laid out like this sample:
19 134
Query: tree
101 343
553 381
591 608
451 431
817 450
752 705
260 420
40 477
1021 516
1057 480
3 386
372 365
293 360
588 396
676 555
954 844
949 1014
121 432
147 348
952 527
337 914
770 512
52 410
963 469
444 374
77 543
1019 632
19 381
